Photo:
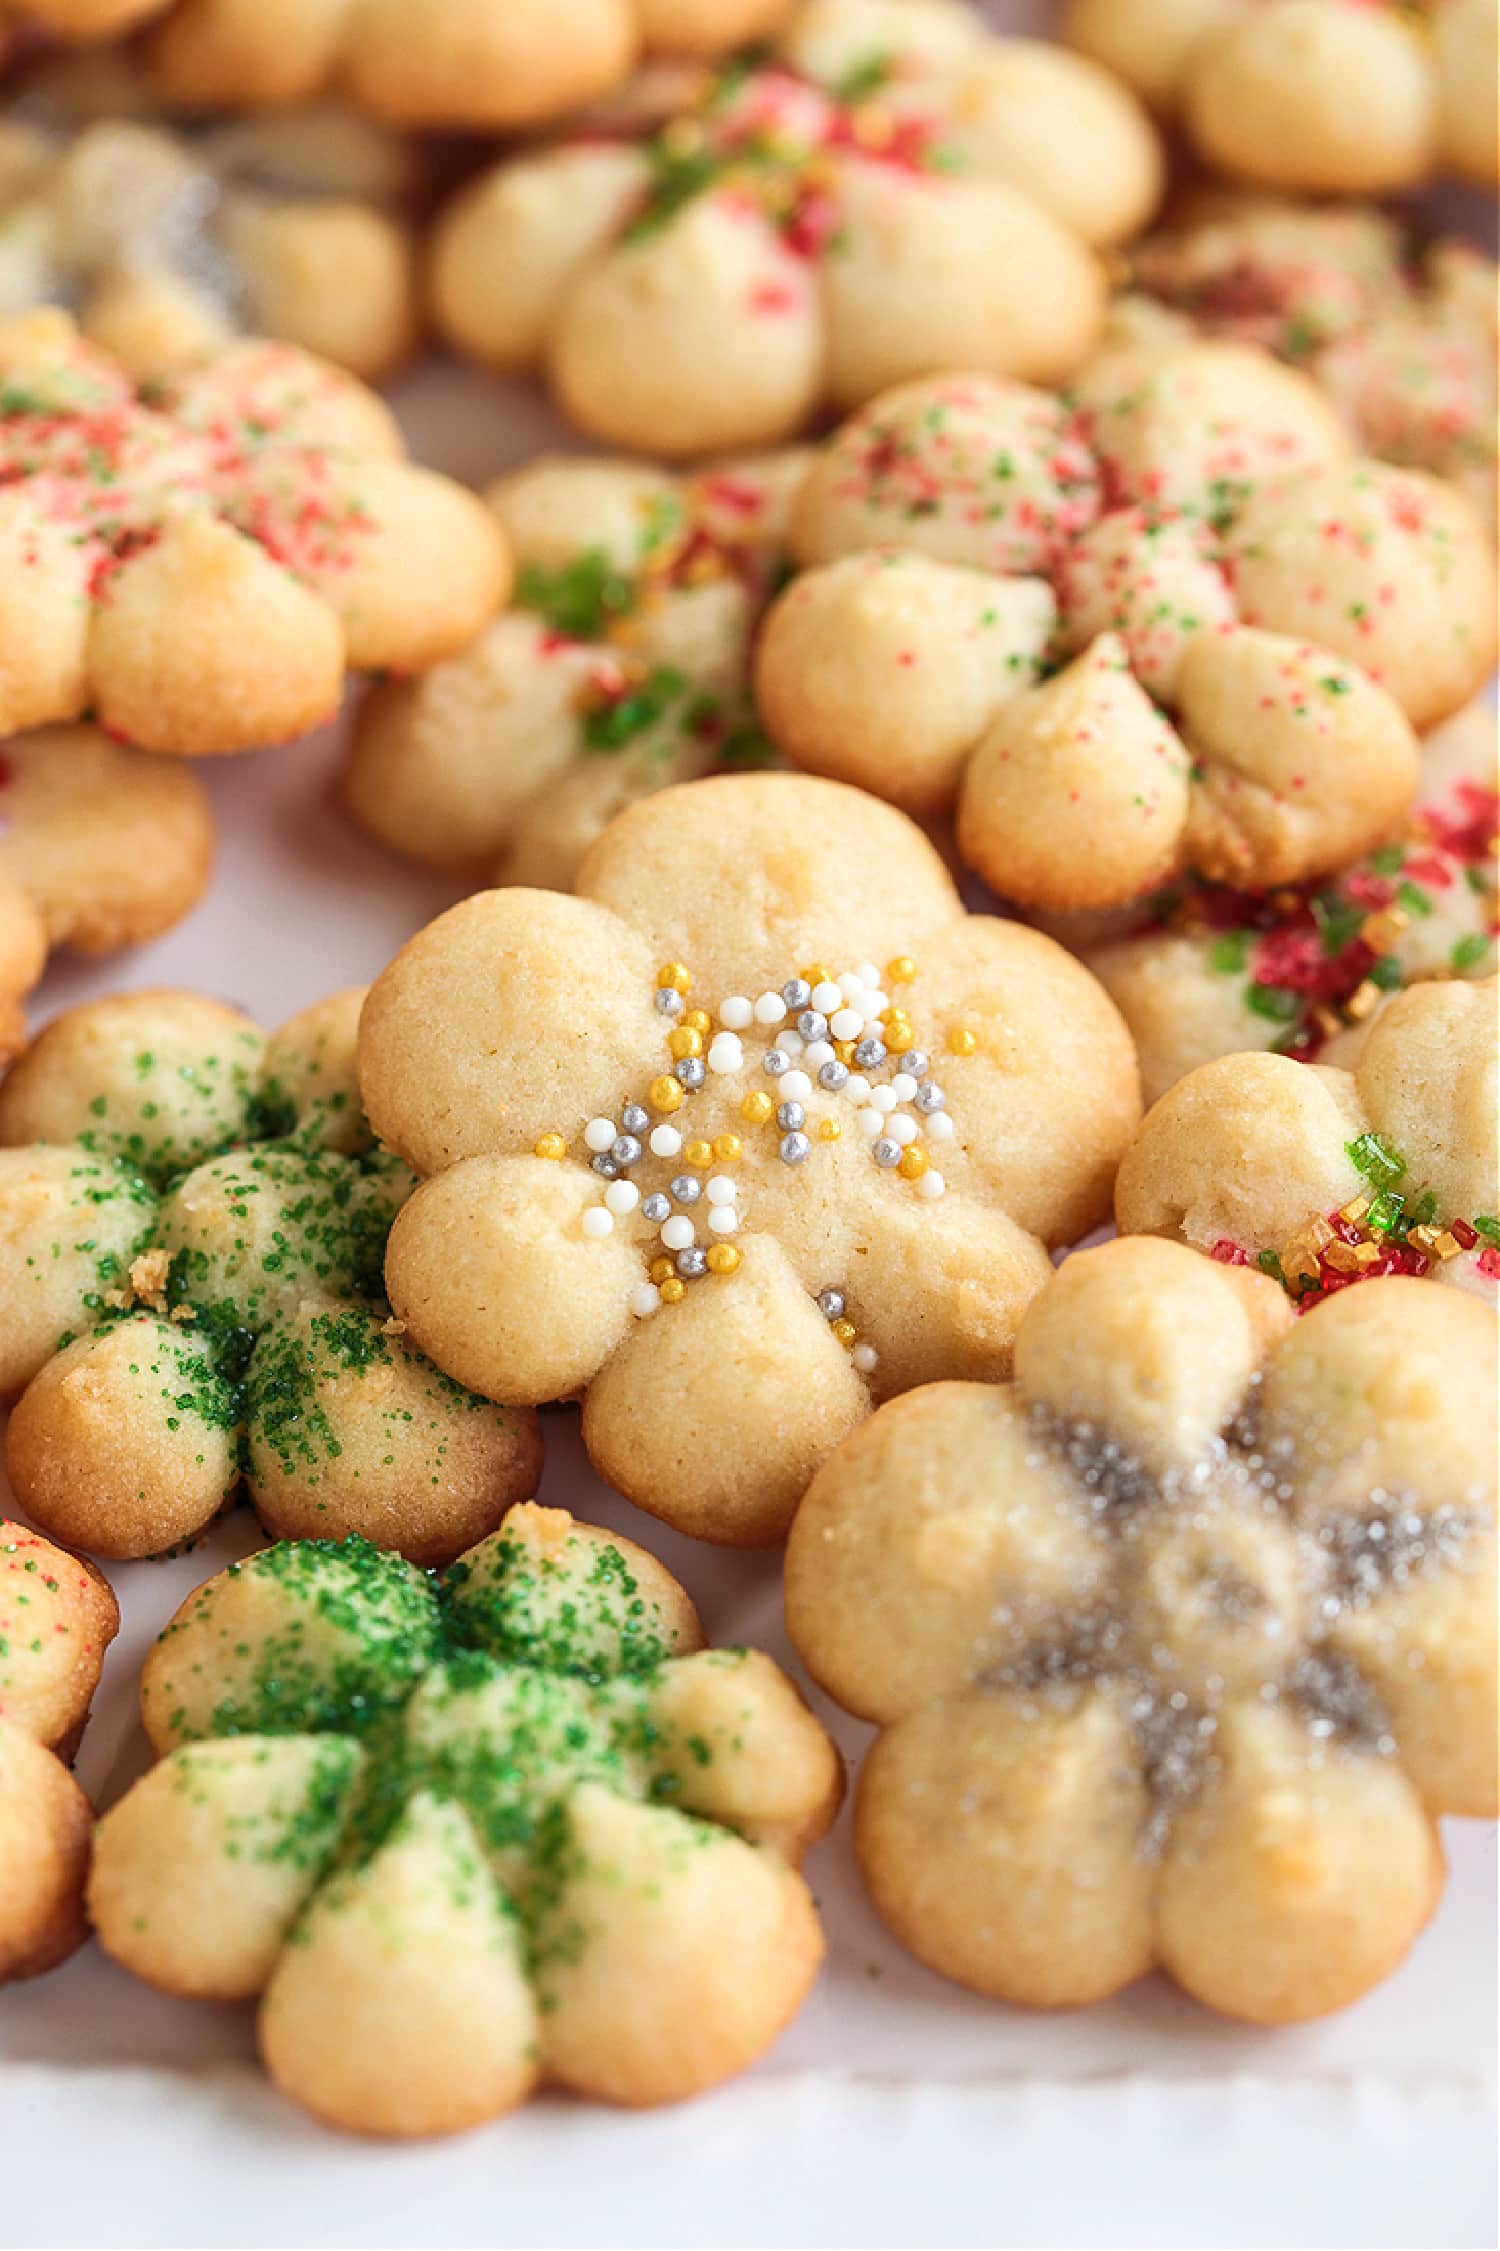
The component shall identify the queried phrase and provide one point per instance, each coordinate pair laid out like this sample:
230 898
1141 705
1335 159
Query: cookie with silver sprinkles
1178 1645
464 1835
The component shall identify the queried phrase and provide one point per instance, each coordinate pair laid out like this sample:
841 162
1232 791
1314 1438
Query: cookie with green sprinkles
622 665
468 1833
193 1218
57 1618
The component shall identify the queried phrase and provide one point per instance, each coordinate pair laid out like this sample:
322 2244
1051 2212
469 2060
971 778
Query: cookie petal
744 1750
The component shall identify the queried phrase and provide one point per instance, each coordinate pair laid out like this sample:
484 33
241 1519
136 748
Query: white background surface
898 2111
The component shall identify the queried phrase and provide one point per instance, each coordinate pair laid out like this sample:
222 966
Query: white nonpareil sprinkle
901 1128
938 1126
795 1086
737 1014
723 1219
597 1223
857 1089
846 1023
665 1141
770 1009
598 1134
817 1053
883 1098
867 973
720 1189
903 1086
931 1185
678 1233
645 1299
725 1053
864 1357
825 997
621 1196
870 1122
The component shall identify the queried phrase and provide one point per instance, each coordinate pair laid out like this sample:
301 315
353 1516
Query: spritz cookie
1324 1175
170 236
894 192
1337 97
201 564
1178 1645
467 1835
192 1222
758 1128
57 1618
488 64
100 847
1253 619
622 665
1200 971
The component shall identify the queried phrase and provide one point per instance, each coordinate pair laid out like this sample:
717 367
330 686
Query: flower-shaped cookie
201 570
1194 527
1399 331
192 1221
100 846
57 1618
1323 1176
496 64
757 1127
171 237
623 665
1340 97
1178 1644
896 191
465 1836
1204 972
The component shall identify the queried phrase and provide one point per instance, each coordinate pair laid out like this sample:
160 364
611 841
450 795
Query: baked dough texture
1202 971
1178 1644
201 565
1397 328
1192 532
623 665
172 236
101 846
468 1834
1319 95
893 192
758 1128
487 64
82 21
57 1617
1324 1175
192 1220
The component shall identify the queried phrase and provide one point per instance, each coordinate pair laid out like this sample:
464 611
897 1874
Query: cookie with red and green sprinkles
470 1833
1325 1176
622 665
887 193
57 1618
200 565
194 1217
1201 970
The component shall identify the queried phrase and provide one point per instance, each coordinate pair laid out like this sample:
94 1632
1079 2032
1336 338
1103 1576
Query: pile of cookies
999 748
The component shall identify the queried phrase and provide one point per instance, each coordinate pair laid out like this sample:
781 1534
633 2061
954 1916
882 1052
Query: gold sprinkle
1340 1256
699 1154
845 1331
1423 1239
684 1042
552 1146
672 1291
1355 1211
674 975
816 974
913 1162
1447 1246
901 971
829 1129
698 1020
723 1258
756 1108
661 1270
664 1094
728 1148
844 1050
961 1041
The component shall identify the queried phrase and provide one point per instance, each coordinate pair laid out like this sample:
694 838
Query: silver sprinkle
915 1063
929 1097
886 1151
775 1061
633 1119
605 1166
626 1150
831 1304
687 1188
834 1075
690 1072
813 1025
691 1263
657 1208
791 1117
869 1053
669 1002
796 992
795 1147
